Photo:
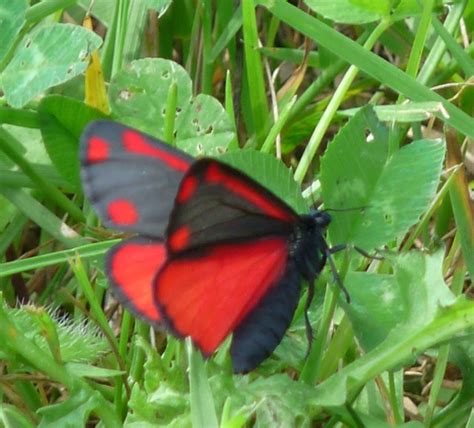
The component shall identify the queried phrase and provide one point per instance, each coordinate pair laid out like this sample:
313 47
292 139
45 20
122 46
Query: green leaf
257 96
42 216
62 121
461 354
139 98
100 9
88 251
410 297
50 56
204 127
88 370
12 417
270 173
80 341
402 344
138 93
407 8
73 412
160 6
385 194
279 399
203 412
163 399
368 62
12 19
351 11
402 113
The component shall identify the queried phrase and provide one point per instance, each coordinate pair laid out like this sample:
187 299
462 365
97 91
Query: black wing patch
217 203
262 330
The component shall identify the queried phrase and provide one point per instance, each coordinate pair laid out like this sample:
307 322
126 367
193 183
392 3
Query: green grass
368 113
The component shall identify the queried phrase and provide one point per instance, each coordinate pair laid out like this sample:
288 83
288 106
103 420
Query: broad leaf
351 11
62 122
204 128
383 194
139 97
12 18
138 94
46 58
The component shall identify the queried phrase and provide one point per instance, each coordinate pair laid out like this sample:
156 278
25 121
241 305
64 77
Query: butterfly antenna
341 210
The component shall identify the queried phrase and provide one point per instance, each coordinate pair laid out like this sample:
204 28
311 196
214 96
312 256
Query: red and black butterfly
216 253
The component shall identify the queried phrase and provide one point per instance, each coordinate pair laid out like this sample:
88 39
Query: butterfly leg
308 326
362 252
337 279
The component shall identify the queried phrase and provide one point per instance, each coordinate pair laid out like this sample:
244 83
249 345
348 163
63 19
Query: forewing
217 203
131 267
207 293
130 178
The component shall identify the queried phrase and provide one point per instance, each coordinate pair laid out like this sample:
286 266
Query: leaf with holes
138 94
383 195
50 56
204 128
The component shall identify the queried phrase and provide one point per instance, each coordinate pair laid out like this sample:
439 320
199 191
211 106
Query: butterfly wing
229 246
130 178
131 267
207 293
217 203
260 332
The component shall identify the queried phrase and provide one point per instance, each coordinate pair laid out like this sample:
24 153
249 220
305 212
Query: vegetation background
366 106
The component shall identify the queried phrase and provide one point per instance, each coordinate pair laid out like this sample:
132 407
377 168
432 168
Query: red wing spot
122 212
215 175
133 268
188 186
134 142
97 150
179 239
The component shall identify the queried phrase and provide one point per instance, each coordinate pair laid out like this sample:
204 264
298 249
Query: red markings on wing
122 212
134 142
214 174
132 267
187 188
207 296
179 239
97 150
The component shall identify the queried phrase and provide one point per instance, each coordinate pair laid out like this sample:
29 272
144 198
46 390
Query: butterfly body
217 253
310 248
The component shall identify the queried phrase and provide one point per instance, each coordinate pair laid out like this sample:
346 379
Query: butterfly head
320 218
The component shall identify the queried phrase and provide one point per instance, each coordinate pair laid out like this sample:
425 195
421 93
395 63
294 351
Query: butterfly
215 254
